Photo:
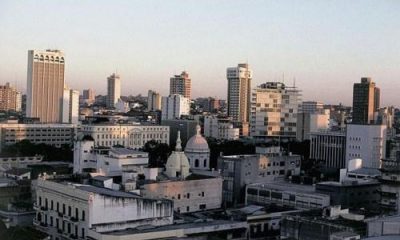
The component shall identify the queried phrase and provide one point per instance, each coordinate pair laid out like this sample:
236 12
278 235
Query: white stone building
220 128
174 106
132 136
108 162
190 192
76 211
367 142
70 106
198 152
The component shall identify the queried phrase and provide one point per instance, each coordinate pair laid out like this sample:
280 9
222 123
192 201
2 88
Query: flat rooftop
126 151
287 187
105 191
349 183
192 225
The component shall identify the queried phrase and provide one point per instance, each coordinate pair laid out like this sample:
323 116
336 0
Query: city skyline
151 41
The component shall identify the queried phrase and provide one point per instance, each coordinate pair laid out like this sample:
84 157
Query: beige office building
239 92
113 90
153 101
45 85
181 84
274 110
10 98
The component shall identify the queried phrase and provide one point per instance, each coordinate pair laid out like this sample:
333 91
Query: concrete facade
45 88
367 142
67 210
128 135
174 106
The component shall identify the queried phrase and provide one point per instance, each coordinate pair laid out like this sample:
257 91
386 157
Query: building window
83 215
187 209
196 163
179 196
202 206
188 195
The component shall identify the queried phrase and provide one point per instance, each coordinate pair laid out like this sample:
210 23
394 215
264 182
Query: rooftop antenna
294 82
283 77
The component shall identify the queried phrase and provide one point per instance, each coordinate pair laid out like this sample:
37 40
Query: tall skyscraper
113 90
45 85
10 98
239 92
153 101
181 84
88 96
366 98
274 111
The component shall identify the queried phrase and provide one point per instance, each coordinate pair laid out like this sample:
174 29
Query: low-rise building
128 135
311 122
241 170
111 162
352 193
286 194
77 211
50 134
190 192
220 128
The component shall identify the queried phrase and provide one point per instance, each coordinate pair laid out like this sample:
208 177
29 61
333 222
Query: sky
322 46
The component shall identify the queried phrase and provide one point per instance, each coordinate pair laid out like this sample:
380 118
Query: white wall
367 142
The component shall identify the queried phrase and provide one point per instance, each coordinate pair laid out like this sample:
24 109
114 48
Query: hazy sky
325 45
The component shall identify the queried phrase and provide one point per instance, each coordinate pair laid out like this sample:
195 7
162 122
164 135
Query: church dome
177 164
197 143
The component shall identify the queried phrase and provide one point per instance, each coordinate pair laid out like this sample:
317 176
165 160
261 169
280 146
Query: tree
158 153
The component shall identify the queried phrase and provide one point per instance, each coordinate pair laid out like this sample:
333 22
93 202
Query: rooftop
105 191
125 151
18 171
287 187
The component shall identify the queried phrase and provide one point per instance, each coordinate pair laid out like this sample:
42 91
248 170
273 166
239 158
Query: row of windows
66 210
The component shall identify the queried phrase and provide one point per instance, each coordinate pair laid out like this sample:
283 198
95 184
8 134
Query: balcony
43 227
36 207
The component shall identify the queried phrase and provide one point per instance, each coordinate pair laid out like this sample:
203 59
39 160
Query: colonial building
191 192
128 135
198 152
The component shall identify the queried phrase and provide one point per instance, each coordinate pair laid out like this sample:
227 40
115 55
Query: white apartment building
113 90
220 128
52 133
174 106
274 109
132 136
367 142
70 106
75 211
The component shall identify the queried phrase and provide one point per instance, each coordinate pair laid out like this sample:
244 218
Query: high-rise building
312 107
366 98
174 106
70 108
181 84
113 90
88 96
274 110
239 92
153 101
10 98
45 85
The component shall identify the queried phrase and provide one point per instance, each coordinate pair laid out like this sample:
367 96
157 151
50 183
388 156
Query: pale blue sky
325 45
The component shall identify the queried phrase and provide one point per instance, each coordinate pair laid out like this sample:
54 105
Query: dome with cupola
197 151
177 164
